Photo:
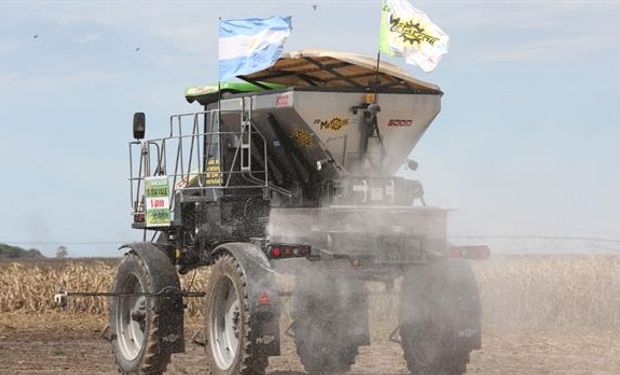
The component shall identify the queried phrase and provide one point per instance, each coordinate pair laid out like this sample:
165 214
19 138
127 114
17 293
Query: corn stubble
517 292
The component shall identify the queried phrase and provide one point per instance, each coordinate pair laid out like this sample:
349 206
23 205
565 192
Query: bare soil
57 343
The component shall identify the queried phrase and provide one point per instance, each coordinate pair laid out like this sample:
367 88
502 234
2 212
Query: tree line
16 252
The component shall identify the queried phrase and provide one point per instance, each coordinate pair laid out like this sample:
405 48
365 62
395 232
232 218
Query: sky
526 143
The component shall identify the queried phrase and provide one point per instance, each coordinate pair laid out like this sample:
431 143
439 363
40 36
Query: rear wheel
440 317
428 352
328 322
134 323
227 322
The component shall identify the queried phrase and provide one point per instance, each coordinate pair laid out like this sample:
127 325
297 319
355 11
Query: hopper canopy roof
330 69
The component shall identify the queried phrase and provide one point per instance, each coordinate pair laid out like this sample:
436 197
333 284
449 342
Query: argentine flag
247 46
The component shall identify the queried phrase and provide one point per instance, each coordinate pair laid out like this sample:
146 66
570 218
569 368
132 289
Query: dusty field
543 315
42 351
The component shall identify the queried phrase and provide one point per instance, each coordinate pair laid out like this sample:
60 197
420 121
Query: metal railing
198 165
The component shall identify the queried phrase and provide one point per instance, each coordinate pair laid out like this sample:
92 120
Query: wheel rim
131 318
225 323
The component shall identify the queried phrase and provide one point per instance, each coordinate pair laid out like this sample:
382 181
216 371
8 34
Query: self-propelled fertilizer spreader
293 170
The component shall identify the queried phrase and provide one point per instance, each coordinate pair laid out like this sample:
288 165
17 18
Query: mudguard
168 307
262 294
467 309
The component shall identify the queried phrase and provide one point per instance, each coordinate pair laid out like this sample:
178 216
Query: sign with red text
399 122
156 195
283 101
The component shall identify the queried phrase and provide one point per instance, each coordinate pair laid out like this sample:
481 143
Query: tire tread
153 361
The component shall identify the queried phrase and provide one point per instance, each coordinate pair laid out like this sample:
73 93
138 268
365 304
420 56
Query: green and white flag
408 32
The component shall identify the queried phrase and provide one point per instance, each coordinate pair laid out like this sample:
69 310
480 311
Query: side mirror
412 164
139 125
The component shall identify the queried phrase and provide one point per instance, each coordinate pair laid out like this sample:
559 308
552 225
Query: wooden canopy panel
328 69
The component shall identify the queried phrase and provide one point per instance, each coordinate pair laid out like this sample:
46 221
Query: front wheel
134 321
227 322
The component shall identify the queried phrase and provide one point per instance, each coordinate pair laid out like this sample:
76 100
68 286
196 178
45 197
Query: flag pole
379 54
377 75
219 82
377 84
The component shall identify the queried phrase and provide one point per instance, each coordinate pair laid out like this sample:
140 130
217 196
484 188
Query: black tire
135 356
439 317
227 274
327 316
